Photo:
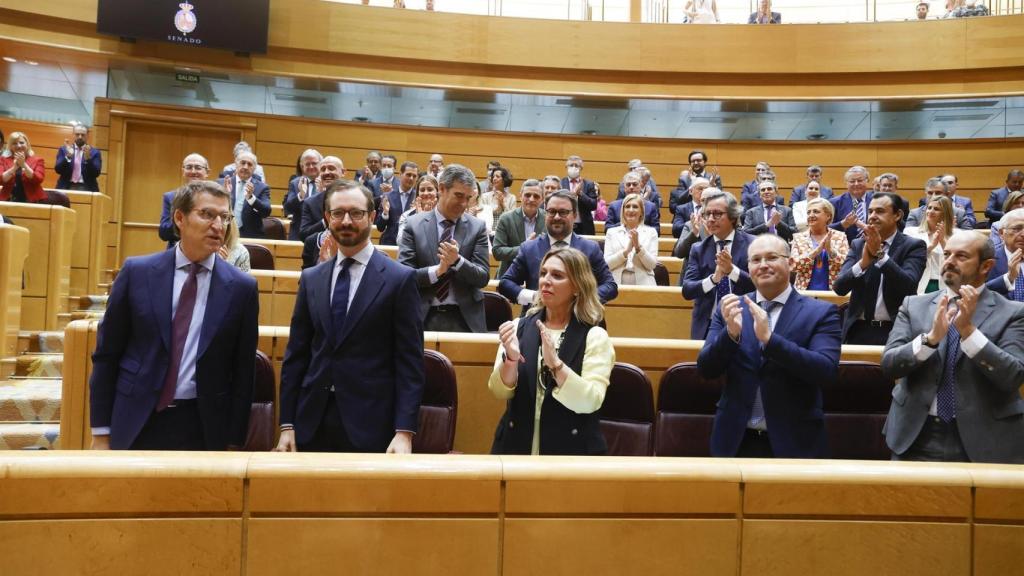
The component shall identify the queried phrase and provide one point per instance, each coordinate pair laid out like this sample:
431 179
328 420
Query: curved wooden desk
255 514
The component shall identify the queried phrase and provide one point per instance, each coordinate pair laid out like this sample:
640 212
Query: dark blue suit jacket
995 281
90 170
996 199
701 264
525 269
374 362
587 203
389 228
252 215
800 193
293 206
167 231
681 218
133 351
902 272
842 205
800 358
652 215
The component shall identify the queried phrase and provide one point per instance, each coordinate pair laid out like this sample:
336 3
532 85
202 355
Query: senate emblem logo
185 19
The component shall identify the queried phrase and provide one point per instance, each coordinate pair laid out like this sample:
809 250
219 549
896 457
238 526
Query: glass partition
729 11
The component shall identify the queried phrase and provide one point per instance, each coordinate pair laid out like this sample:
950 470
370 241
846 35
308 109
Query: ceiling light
11 60
31 62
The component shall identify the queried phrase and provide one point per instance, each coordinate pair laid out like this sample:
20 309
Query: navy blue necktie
946 398
444 283
723 284
339 302
1018 288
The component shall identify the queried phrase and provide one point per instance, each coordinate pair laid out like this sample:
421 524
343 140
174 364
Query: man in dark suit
996 199
764 14
635 165
718 265
250 197
698 160
770 217
585 192
372 169
800 192
352 377
78 164
331 169
396 203
193 167
448 249
689 222
958 359
882 268
851 207
301 188
1005 276
386 180
175 352
632 183
952 184
520 281
519 225
749 189
777 349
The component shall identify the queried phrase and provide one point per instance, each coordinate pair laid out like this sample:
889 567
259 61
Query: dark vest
562 431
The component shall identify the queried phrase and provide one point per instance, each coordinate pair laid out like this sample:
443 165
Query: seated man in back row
519 283
632 183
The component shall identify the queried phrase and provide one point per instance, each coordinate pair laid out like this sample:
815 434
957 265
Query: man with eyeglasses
698 160
1005 276
749 193
957 357
176 350
352 377
520 281
716 266
436 165
882 268
448 250
250 196
851 207
632 183
777 350
771 216
193 167
519 225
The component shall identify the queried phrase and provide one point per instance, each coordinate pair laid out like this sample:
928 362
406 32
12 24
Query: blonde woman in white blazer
631 249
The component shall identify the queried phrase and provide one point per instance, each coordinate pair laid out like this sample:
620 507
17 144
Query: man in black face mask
78 163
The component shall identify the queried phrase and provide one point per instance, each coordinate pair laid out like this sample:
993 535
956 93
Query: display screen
237 25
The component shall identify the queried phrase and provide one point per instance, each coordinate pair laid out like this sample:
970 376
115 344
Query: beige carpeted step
30 400
39 366
92 302
22 436
52 342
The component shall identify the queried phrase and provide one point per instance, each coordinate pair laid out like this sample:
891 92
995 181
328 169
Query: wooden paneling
14 242
88 249
998 549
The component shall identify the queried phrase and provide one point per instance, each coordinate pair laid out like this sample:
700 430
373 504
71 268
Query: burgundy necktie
444 282
179 333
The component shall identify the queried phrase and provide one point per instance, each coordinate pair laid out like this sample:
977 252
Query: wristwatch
924 340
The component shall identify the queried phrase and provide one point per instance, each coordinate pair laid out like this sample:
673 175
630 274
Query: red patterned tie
444 283
179 333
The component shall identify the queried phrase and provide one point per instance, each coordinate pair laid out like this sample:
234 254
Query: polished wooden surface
471 354
315 39
48 269
237 513
88 250
14 241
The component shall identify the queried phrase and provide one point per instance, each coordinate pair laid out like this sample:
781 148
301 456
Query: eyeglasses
857 181
211 216
194 167
355 215
559 213
769 259
713 214
1015 229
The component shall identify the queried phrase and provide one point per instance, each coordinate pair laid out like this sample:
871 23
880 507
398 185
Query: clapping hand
510 342
762 325
723 265
634 240
1014 264
547 344
69 149
249 187
849 220
940 323
964 317
87 152
732 313
447 254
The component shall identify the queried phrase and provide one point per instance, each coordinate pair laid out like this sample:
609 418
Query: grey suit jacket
990 411
916 216
418 249
509 234
755 225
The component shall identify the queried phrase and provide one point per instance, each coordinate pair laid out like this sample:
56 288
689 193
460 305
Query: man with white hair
250 196
300 188
1005 276
331 168
242 146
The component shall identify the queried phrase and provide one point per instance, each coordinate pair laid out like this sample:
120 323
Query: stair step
39 365
30 435
92 302
35 342
87 315
30 400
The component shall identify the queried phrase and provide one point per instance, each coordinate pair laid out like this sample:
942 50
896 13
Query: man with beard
698 170
352 377
958 359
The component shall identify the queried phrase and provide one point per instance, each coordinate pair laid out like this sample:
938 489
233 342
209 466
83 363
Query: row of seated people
352 377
